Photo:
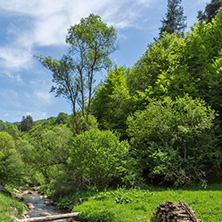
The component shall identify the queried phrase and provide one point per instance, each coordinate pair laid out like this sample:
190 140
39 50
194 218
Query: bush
173 140
99 159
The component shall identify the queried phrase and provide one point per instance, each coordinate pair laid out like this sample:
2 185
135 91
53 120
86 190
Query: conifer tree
210 11
26 123
175 20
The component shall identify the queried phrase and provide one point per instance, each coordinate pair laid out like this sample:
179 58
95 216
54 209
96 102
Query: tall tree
91 42
175 20
210 11
26 123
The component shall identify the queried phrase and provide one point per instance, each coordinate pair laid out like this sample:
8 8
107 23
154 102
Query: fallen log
48 218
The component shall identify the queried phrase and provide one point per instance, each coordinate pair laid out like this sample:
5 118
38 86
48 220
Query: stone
48 202
45 214
30 206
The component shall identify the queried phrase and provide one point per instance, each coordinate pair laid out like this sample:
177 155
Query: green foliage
7 144
173 141
111 104
94 39
10 128
98 159
62 118
10 164
196 72
6 170
175 20
152 73
83 125
50 153
42 150
173 66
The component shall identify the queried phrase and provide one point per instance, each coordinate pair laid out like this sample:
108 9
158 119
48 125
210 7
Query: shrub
173 141
99 159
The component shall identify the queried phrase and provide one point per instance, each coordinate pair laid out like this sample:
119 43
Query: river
40 206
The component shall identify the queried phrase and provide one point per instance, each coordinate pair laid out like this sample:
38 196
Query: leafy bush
173 140
99 159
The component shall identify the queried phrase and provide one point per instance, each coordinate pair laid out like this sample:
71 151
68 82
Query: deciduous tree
91 42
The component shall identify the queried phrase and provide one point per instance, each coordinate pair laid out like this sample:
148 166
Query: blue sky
39 27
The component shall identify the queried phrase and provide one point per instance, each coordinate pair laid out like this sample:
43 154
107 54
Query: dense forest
158 122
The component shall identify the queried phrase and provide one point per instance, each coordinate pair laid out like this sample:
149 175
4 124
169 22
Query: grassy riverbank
10 207
128 205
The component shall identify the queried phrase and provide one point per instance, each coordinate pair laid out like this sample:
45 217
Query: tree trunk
48 218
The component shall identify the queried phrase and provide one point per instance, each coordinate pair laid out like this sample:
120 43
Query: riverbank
10 207
129 205
26 204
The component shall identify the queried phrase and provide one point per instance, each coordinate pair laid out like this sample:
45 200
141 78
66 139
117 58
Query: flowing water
40 206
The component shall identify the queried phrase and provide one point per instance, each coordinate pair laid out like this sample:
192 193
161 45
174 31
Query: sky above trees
39 27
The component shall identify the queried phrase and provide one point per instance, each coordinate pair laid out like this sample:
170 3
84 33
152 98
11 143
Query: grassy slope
128 205
9 207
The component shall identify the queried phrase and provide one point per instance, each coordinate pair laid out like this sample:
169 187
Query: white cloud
17 77
12 57
13 76
48 21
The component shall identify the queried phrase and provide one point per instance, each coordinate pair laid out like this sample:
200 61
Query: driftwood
48 218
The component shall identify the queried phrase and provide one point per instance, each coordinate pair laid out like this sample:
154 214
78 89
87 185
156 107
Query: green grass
130 204
10 207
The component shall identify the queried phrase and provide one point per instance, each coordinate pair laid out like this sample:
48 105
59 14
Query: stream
40 206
